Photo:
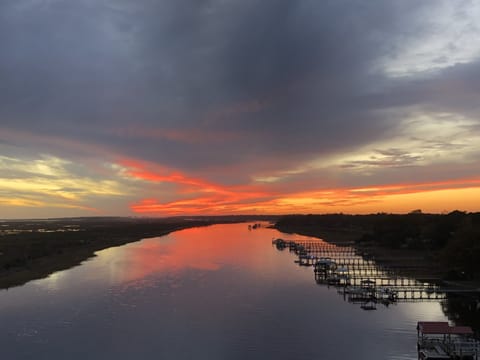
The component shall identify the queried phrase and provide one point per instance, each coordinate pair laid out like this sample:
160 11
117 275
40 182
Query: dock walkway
346 269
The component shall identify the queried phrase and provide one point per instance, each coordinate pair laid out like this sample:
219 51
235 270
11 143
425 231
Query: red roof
461 330
441 327
433 327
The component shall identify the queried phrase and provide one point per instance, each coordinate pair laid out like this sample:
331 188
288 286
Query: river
218 292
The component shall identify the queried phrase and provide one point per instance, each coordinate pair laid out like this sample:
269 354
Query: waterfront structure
439 340
360 279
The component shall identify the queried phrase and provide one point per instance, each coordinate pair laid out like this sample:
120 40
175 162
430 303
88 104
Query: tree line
454 238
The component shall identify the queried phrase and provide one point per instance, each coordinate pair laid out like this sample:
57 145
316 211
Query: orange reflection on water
206 249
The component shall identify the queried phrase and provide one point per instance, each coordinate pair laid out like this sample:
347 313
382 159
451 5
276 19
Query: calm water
221 292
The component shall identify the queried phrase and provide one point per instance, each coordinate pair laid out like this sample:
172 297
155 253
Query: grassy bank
33 249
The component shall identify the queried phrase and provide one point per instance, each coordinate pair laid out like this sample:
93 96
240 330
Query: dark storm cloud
83 69
453 89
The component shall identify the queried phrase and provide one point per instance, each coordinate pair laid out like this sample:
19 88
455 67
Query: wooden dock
350 272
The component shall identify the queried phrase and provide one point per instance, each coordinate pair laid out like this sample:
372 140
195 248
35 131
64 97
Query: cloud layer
228 106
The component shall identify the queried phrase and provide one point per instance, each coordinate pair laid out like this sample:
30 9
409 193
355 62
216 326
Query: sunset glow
205 110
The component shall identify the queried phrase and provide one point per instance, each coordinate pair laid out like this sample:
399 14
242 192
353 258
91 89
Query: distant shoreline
396 258
400 241
33 249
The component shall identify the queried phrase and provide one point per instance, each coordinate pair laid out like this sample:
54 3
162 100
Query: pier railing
348 270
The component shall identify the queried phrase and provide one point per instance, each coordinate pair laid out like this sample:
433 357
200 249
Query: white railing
463 347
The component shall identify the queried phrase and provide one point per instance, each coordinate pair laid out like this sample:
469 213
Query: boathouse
439 340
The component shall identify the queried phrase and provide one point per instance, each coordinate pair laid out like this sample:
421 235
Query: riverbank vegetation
33 249
448 243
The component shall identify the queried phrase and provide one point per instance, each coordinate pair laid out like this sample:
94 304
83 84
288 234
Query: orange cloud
155 173
463 194
205 197
419 187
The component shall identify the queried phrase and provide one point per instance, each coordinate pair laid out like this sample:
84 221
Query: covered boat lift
438 340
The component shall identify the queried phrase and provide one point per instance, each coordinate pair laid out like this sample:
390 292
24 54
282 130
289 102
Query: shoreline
32 255
44 266
460 307
418 264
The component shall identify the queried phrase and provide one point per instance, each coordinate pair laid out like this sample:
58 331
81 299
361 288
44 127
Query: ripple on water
213 293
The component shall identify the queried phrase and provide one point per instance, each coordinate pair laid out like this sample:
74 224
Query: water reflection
463 309
209 293
360 280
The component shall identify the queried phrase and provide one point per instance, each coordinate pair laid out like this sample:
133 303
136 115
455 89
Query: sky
201 107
